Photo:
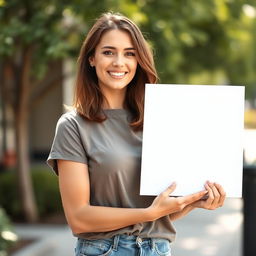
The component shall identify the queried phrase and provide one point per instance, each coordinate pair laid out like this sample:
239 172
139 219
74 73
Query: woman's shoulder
70 118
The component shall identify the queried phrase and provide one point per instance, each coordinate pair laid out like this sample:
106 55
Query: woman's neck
114 100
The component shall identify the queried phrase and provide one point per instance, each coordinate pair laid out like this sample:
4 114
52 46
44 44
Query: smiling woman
97 150
117 43
115 63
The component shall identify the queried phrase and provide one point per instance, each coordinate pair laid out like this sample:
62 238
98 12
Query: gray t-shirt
112 151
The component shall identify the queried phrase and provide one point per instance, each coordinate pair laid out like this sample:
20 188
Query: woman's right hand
164 204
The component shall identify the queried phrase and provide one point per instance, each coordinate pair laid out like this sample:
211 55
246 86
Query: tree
195 36
33 33
201 41
190 38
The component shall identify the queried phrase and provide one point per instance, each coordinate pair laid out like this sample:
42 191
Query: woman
97 150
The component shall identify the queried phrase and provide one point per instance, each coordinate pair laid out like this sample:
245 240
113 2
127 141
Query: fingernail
174 183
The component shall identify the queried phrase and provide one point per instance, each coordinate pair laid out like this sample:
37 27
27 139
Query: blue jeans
123 245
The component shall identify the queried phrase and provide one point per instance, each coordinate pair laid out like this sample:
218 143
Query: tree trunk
3 124
23 167
22 140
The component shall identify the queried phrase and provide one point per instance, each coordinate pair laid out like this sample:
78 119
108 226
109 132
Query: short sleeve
67 143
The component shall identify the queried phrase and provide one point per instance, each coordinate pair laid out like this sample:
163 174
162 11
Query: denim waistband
136 240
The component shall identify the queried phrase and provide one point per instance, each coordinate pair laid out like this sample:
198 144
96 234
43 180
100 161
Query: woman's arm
82 217
178 215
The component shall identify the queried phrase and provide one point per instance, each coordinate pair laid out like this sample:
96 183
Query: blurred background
194 42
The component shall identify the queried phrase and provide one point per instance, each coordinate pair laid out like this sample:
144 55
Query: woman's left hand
216 197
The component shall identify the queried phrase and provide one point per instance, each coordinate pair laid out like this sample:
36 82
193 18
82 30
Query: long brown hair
88 98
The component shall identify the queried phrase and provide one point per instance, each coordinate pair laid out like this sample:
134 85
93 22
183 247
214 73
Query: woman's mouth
117 75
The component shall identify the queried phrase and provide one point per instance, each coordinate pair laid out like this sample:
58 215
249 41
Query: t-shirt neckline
115 111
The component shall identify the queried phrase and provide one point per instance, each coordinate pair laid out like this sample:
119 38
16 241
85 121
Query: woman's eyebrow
112 47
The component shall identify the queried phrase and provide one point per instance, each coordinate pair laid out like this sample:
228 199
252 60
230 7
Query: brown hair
88 98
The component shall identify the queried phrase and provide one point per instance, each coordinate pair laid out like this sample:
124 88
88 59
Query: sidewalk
201 233
51 240
211 233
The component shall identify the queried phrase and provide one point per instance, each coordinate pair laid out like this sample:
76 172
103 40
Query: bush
7 236
46 193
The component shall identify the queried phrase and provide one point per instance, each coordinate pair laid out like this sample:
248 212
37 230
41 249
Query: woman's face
115 61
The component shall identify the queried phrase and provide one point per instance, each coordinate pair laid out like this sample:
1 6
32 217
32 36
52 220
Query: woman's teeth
117 74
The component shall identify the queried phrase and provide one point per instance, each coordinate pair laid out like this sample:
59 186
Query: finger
210 198
222 194
199 203
194 197
170 189
216 195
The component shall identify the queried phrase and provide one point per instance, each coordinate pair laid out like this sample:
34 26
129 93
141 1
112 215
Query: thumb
170 189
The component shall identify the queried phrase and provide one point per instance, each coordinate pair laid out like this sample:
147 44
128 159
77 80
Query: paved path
211 233
51 240
201 233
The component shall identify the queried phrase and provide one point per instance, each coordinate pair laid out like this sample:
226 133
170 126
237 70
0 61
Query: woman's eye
108 53
130 53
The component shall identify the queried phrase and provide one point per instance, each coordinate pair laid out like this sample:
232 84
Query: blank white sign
192 133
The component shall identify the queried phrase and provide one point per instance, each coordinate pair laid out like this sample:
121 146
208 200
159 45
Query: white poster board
192 133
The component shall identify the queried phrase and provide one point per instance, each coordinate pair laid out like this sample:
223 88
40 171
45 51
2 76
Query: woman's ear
91 61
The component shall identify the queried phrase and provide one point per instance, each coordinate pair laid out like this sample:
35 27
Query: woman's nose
118 61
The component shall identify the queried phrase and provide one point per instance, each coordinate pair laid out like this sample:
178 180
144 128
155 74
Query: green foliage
196 41
37 24
9 194
190 38
7 236
195 37
250 119
46 192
